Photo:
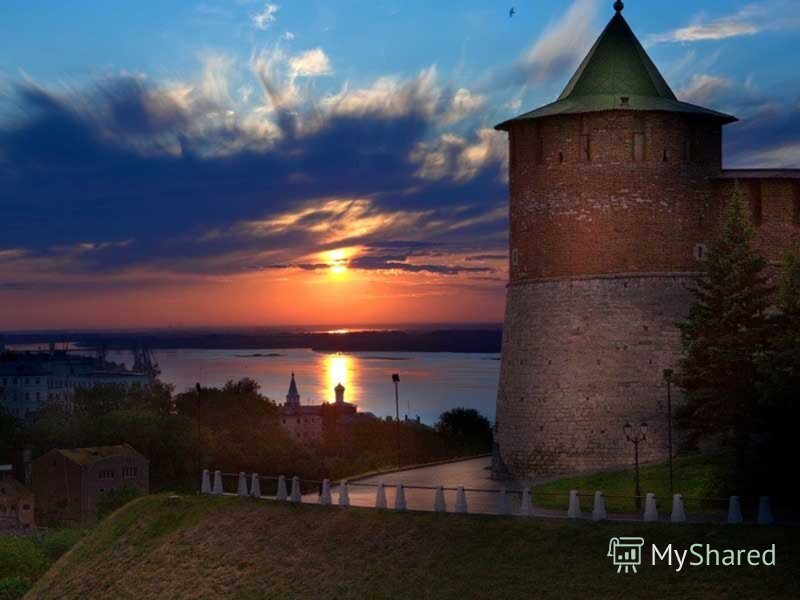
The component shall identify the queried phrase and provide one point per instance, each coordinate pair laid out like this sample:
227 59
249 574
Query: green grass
242 548
23 559
696 476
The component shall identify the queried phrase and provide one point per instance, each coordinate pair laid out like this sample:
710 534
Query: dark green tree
724 338
466 428
780 383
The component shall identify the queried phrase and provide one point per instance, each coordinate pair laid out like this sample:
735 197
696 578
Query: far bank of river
430 382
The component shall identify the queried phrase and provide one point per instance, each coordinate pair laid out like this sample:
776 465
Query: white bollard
574 511
461 501
380 497
281 493
325 496
678 511
650 509
344 494
217 490
735 511
599 512
400 499
205 484
296 497
764 511
241 489
502 502
439 505
526 507
255 485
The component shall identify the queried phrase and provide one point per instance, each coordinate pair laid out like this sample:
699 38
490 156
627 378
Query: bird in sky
512 12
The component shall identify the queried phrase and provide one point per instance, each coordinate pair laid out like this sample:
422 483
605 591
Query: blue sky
170 152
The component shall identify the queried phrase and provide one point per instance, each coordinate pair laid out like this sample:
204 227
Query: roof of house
86 456
12 487
617 74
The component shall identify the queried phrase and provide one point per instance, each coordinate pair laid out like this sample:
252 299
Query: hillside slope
199 547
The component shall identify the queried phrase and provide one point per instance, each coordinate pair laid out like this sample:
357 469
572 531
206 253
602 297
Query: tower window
638 146
665 155
514 257
586 154
625 100
560 157
700 252
540 150
756 209
513 150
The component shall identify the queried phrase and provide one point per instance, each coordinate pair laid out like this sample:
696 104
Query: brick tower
612 193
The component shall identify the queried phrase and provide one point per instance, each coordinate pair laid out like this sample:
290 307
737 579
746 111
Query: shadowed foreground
204 547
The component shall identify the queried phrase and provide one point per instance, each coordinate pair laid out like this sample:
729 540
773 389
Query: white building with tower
308 424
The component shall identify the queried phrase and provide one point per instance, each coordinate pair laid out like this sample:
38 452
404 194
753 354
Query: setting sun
338 259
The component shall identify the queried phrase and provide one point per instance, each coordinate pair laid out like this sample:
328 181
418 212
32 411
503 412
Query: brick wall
778 224
580 358
610 216
610 213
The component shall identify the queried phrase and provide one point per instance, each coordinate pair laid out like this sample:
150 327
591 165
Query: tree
724 337
467 428
779 383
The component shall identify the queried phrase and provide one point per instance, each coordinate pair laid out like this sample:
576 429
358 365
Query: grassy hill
200 547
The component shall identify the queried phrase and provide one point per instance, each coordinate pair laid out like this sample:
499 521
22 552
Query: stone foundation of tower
581 357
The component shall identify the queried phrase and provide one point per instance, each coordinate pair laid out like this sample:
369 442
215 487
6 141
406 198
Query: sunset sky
233 162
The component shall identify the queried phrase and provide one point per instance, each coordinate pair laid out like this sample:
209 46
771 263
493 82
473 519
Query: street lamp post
668 378
636 441
396 380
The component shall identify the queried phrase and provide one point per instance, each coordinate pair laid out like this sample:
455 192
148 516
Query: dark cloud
126 164
482 257
756 140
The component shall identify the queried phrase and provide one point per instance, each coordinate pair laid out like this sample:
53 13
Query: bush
13 588
20 557
54 544
114 499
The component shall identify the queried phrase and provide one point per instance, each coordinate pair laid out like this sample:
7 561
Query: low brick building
68 483
16 502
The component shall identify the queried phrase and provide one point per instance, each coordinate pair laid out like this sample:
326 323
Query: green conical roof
617 74
617 65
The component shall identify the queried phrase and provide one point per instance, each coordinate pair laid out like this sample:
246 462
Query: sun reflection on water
340 369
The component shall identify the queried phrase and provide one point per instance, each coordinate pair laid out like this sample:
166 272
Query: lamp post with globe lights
636 440
668 373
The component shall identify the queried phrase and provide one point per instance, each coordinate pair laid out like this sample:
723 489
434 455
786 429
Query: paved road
481 493
472 474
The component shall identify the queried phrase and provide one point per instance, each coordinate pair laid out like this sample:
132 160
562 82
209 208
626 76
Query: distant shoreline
464 340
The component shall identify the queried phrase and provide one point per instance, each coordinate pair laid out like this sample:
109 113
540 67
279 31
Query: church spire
293 397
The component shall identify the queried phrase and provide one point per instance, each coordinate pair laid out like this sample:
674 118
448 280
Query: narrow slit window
796 204
638 146
756 205
540 150
586 154
665 155
513 153
560 157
